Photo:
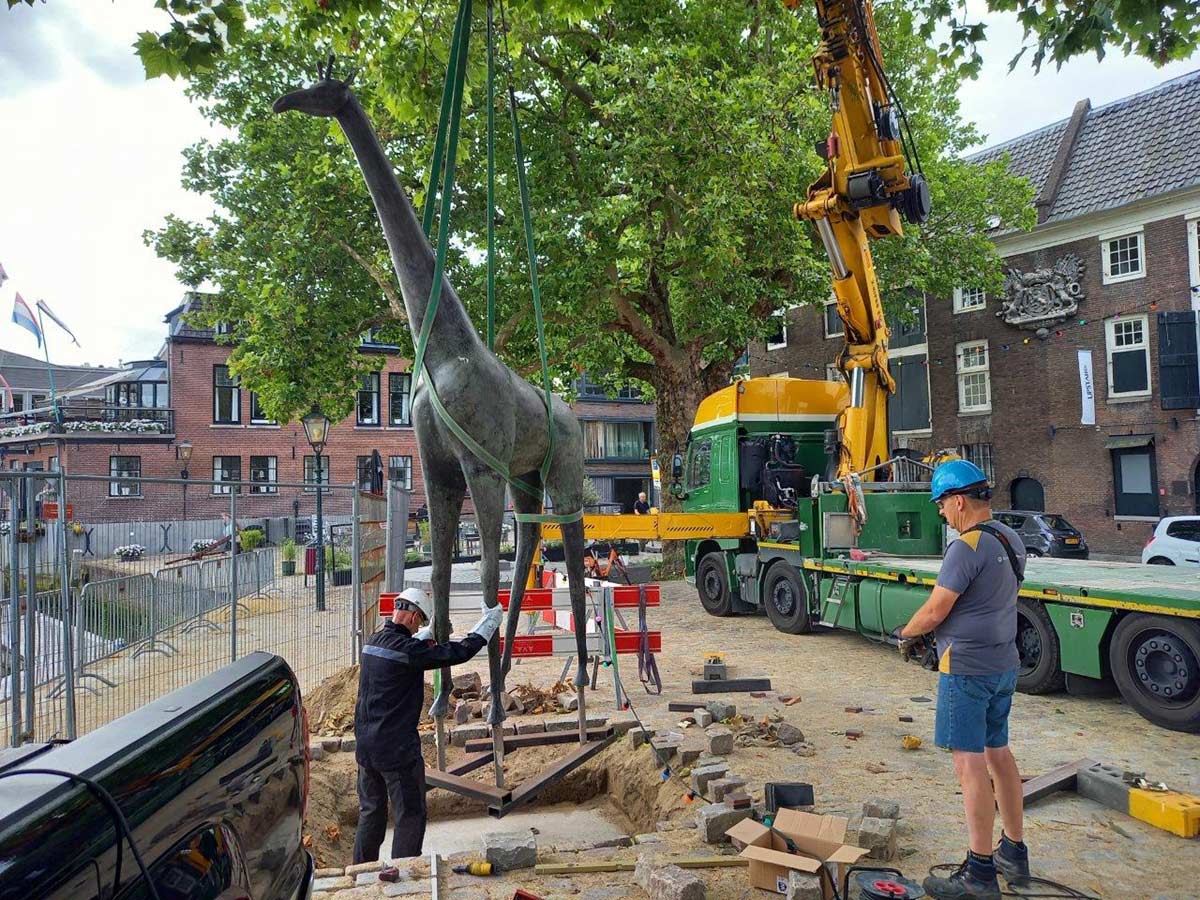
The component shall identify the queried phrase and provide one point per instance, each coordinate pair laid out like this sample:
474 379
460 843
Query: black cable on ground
119 822
1063 891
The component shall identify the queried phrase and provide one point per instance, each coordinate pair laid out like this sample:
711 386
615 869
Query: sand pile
330 704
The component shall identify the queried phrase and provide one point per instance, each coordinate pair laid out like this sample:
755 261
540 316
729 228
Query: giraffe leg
445 497
528 535
572 533
487 494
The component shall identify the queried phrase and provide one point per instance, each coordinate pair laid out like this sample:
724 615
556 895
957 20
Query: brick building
1102 291
618 442
134 421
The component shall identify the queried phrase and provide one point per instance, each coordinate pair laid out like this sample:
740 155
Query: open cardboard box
820 840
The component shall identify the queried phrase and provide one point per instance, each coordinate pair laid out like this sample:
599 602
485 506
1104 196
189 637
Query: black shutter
1178 364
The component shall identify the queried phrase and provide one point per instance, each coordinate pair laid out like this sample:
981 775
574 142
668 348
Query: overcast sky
91 158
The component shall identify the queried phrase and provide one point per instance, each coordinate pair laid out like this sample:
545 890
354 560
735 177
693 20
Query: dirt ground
1071 839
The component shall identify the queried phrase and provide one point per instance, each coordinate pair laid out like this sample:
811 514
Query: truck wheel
713 586
1160 561
1039 671
786 599
1156 664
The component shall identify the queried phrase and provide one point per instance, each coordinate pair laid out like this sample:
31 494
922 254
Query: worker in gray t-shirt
973 613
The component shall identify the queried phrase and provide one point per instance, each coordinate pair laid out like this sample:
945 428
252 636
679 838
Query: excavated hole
622 784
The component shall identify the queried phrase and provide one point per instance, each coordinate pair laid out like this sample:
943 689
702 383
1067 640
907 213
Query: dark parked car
1045 534
212 778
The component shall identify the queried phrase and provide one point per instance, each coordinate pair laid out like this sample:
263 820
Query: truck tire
1156 664
712 584
786 599
1160 561
1040 668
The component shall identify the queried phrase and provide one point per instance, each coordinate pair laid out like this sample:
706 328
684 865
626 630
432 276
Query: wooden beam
684 862
731 686
531 787
1060 779
466 787
516 742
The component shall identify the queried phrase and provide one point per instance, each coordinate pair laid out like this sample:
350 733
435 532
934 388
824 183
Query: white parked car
1175 542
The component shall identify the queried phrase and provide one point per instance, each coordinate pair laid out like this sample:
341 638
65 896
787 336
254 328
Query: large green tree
666 144
196 32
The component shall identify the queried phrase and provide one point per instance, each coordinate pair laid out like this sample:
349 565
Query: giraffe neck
452 333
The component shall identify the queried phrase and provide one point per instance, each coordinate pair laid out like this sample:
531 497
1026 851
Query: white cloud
92 158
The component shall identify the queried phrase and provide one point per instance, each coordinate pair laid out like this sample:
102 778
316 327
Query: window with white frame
967 299
974 379
310 473
980 455
127 469
258 415
777 340
1193 239
227 397
399 398
833 322
263 474
226 468
1124 257
400 469
368 400
1128 346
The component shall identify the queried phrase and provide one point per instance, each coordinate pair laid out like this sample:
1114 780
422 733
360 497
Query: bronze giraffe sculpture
495 406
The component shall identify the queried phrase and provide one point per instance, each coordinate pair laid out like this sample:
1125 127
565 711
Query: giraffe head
325 98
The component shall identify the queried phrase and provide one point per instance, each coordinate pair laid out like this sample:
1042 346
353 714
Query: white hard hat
420 600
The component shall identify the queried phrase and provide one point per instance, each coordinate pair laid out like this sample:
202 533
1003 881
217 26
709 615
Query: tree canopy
196 32
666 143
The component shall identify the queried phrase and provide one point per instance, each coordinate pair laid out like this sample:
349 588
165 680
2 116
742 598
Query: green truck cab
1093 627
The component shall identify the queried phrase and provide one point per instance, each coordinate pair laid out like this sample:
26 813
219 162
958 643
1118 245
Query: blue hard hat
956 477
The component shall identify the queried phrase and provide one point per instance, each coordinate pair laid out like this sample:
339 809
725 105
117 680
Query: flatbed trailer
1093 627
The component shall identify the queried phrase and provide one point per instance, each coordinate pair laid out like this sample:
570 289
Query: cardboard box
819 840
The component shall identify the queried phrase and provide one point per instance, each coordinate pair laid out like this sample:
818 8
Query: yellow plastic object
773 400
664 526
1171 811
910 742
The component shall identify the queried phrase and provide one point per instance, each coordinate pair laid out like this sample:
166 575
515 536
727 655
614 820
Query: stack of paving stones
479 731
319 746
877 832
362 881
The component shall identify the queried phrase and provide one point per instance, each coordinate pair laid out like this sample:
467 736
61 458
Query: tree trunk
679 392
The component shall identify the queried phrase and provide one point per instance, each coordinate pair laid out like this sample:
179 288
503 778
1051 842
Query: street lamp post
316 429
183 452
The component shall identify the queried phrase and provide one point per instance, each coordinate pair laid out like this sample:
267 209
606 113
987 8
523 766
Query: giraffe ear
350 78
329 67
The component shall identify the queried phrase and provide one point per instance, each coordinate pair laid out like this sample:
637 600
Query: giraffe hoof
495 714
440 707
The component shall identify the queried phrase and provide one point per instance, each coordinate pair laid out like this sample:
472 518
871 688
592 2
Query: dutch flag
23 316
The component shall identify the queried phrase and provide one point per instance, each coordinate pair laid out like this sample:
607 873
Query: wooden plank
731 686
684 862
517 741
1060 779
531 787
466 787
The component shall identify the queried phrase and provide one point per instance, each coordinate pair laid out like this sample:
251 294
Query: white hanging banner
1087 388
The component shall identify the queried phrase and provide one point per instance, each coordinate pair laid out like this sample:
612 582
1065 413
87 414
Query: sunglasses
405 606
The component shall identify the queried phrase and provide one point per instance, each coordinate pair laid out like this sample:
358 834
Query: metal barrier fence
89 631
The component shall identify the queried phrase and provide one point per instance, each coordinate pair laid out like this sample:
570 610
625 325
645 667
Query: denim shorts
972 711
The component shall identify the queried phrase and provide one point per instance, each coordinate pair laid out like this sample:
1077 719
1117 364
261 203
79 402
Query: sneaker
962 884
1011 862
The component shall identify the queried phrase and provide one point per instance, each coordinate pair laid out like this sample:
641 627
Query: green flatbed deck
1113 585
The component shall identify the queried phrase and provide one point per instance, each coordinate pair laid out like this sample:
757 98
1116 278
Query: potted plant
250 539
288 555
342 573
129 552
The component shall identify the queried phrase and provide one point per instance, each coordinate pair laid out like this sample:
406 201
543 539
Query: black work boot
1012 860
975 879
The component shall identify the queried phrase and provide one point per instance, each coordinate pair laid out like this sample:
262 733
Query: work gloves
910 648
487 625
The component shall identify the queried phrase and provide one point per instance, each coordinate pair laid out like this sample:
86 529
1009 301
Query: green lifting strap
445 146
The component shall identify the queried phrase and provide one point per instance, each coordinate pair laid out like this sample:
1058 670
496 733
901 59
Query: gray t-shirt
979 637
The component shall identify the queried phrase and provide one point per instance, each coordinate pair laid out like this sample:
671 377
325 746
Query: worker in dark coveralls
391 692
973 613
